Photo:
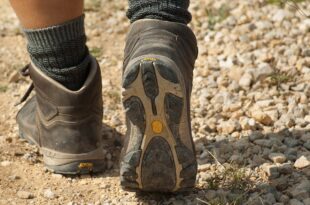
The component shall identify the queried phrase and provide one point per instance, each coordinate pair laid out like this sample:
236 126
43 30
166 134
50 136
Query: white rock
305 25
49 194
295 202
264 25
264 103
14 77
57 176
5 163
252 122
24 195
307 118
280 15
277 157
261 117
203 167
244 122
228 127
235 73
245 81
271 170
306 201
302 162
264 70
226 64
273 114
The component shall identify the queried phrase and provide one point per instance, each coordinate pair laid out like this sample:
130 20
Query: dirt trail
250 109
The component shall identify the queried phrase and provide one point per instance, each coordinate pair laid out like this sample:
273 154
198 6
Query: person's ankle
174 11
60 51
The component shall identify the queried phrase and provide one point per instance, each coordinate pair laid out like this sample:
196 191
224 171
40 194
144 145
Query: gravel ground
250 109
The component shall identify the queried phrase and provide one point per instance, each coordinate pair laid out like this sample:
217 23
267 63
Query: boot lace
25 73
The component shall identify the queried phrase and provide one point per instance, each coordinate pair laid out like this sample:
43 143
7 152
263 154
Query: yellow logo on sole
157 126
149 59
86 165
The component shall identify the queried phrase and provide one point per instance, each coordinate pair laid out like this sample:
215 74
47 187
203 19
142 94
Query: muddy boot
158 153
65 124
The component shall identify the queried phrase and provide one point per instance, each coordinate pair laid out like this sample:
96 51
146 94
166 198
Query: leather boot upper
62 120
173 40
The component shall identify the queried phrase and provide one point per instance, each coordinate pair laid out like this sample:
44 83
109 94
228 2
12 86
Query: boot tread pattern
156 159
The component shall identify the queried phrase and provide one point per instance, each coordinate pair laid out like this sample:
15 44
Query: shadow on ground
231 171
240 171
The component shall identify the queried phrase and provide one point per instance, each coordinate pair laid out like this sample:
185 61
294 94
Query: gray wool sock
168 10
60 51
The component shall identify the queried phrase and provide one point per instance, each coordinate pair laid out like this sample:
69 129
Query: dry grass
217 15
230 177
96 52
291 3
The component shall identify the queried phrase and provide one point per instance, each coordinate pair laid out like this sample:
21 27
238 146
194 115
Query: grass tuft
277 78
3 88
291 3
95 51
217 15
92 5
232 178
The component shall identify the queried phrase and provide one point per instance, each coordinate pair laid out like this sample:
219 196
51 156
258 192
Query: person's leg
160 53
168 10
34 14
62 119
56 38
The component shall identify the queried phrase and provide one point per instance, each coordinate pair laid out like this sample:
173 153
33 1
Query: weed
92 5
3 88
217 15
232 178
282 2
115 95
291 3
95 51
278 77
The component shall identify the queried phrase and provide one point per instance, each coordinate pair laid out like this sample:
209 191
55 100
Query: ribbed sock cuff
56 34
60 51
168 10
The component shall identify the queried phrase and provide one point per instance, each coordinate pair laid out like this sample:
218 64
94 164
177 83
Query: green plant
3 88
115 95
217 15
92 5
95 51
292 3
278 77
282 2
229 177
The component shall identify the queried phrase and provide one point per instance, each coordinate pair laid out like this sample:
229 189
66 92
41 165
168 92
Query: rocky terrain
250 108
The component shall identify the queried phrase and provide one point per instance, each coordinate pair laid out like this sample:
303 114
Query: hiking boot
65 124
158 153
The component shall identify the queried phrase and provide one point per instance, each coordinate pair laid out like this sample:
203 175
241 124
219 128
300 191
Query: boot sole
157 159
69 164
